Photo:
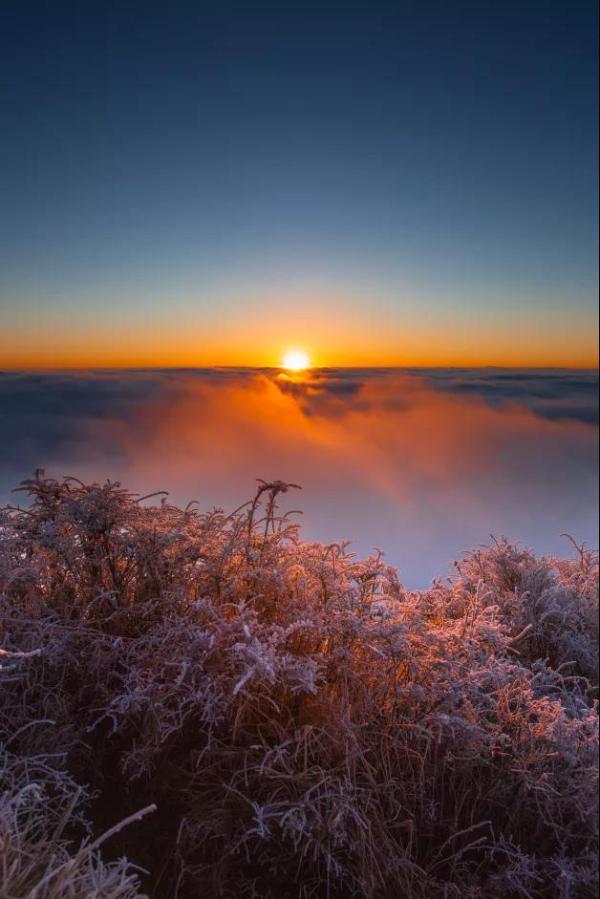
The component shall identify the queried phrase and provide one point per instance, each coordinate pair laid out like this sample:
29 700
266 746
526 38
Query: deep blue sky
194 165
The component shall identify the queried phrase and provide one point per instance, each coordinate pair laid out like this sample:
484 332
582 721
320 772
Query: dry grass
40 814
304 725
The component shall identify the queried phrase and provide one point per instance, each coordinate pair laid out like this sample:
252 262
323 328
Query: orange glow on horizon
256 337
70 360
109 355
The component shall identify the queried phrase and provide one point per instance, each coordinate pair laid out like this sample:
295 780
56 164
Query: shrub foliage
304 725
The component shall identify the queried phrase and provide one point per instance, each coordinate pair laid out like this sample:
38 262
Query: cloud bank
423 464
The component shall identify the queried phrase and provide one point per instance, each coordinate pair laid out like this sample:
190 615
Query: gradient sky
194 183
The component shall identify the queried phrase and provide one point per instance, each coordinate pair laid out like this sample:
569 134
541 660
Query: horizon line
237 367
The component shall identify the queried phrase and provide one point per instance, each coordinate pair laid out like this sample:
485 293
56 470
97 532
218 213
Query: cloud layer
422 463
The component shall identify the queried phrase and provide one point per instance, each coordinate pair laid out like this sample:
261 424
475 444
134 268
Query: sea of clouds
423 464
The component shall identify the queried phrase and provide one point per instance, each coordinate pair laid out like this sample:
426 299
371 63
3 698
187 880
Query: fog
421 464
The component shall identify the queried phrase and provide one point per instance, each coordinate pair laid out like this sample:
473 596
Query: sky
411 183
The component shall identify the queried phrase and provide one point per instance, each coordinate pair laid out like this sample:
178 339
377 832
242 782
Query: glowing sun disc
296 360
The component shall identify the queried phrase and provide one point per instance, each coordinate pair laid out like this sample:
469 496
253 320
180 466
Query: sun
295 360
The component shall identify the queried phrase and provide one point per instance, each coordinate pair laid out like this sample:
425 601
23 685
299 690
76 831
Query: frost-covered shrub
46 845
40 811
305 726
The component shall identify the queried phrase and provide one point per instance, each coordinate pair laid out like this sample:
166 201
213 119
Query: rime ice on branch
296 715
